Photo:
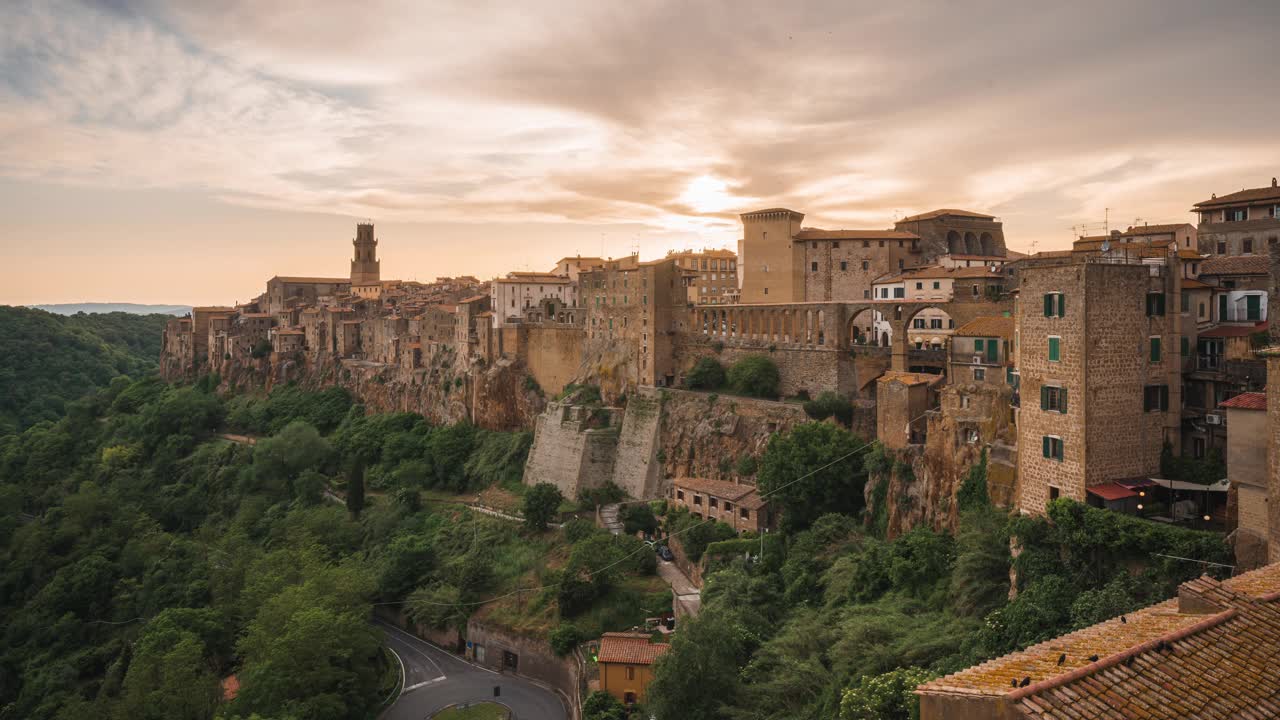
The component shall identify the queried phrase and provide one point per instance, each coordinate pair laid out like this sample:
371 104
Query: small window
979 374
1155 398
835 245
679 494
844 264
1055 304
1055 348
866 244
713 502
864 265
744 513
1155 304
697 499
1155 349
1222 247
937 285
866 294
1054 492
631 673
1248 246
919 286
1053 399
728 507
1052 447
813 267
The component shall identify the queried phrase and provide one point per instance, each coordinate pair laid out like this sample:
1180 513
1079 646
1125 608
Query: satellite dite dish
1106 246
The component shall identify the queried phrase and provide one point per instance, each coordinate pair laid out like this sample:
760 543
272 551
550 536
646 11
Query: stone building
1240 223
512 296
285 292
1246 423
1209 652
717 279
366 269
635 308
1099 374
982 352
962 233
903 401
737 505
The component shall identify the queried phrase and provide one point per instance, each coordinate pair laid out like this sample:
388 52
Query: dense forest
147 551
47 360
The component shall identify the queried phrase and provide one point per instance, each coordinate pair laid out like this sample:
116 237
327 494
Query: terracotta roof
723 489
816 234
1193 284
992 326
1111 491
473 298
1243 196
531 278
1156 229
1230 331
996 258
936 272
1246 401
947 213
630 648
230 687
770 211
1215 657
909 378
312 280
1236 265
1189 254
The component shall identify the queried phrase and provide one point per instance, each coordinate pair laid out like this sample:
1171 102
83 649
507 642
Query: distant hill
47 360
131 308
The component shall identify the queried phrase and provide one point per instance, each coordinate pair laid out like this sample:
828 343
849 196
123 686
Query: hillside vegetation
143 558
47 360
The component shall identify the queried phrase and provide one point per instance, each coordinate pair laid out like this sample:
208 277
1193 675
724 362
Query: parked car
665 553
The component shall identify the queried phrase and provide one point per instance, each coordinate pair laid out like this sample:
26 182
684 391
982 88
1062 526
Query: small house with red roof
626 664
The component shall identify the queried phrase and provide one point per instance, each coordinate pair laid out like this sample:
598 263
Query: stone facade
1241 223
1094 316
366 269
574 448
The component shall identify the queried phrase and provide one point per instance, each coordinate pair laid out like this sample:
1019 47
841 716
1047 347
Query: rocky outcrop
706 435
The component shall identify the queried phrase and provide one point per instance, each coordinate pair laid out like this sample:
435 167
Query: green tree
355 489
600 705
540 505
756 376
830 404
810 471
889 696
169 678
409 560
564 638
706 374
694 678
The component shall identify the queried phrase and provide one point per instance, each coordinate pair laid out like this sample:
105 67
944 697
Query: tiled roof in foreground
1212 652
630 648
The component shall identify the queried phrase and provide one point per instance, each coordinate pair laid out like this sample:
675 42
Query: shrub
540 505
830 404
755 376
564 638
890 696
578 529
260 349
638 517
606 494
707 374
746 466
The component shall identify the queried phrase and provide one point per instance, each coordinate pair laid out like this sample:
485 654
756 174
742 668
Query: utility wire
629 555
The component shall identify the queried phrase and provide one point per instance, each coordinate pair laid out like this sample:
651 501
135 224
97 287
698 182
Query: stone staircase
609 518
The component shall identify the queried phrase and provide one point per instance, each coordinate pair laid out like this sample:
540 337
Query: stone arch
822 337
862 327
987 244
955 244
970 244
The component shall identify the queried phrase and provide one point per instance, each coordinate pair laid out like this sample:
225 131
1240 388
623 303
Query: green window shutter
1186 346
977 345
993 350
1062 400
1048 305
1062 305
1060 448
1253 306
1044 397
1160 304
1155 349
1047 451
1055 349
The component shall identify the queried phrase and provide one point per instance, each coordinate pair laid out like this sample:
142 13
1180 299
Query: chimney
1273 182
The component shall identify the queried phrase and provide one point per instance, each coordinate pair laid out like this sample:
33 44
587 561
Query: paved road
435 679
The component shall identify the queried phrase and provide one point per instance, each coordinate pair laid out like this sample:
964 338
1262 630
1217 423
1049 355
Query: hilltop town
1128 373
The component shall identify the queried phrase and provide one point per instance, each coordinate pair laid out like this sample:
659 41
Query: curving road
435 679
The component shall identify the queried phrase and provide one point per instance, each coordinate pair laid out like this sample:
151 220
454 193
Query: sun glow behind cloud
650 124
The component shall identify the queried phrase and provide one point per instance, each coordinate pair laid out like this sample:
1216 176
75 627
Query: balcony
1210 363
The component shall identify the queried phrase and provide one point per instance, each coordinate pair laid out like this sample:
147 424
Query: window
1253 307
835 245
920 286
901 265
918 323
1155 398
866 244
844 264
866 294
813 267
1186 346
1155 349
728 507
899 292
937 285
964 402
1052 447
1055 304
1055 348
679 494
1053 399
979 344
713 502
1201 311
935 323
881 243
979 374
1186 301
1248 246
697 499
864 265
631 673
1235 215
1222 247
1054 492
1155 304
744 513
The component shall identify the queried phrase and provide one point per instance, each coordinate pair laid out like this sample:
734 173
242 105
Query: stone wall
552 355
809 369
636 469
534 657
574 448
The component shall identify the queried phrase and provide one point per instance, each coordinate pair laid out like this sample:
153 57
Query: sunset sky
177 152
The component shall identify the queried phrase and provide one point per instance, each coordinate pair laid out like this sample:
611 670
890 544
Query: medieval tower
365 264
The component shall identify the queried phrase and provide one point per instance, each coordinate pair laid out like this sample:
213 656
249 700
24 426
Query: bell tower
365 266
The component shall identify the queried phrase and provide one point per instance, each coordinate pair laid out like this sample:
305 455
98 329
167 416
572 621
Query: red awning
1112 491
